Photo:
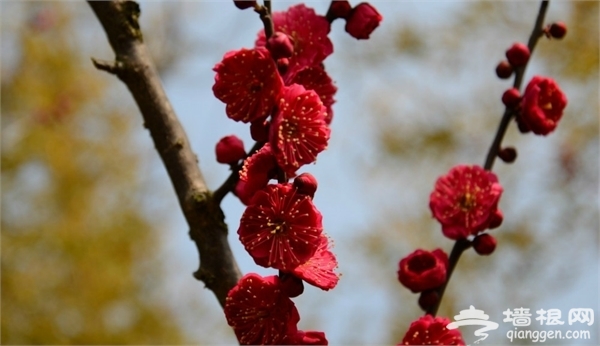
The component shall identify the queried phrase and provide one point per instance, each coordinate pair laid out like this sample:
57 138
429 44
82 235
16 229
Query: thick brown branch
136 69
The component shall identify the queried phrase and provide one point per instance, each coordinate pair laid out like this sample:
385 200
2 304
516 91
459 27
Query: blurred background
95 249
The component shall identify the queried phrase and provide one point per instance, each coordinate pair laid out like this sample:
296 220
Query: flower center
419 264
291 131
545 101
467 201
278 226
255 86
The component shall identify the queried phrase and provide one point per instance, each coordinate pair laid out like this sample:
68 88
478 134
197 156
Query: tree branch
133 65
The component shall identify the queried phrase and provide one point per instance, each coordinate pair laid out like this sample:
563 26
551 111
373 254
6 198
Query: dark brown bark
133 65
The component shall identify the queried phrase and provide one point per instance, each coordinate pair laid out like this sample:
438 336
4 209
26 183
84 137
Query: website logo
474 317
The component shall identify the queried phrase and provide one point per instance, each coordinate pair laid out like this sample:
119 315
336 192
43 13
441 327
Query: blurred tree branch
134 66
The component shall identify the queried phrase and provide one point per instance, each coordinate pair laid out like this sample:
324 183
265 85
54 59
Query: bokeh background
95 249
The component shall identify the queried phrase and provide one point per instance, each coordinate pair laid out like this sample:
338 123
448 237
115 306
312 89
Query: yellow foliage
75 241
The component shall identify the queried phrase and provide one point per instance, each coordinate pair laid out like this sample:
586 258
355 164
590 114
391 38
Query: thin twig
537 32
133 65
266 17
229 184
108 66
462 244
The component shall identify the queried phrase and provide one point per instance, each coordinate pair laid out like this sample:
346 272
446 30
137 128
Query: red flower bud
496 219
362 21
259 130
244 4
243 191
338 9
282 65
511 98
558 30
280 45
423 270
291 285
504 70
428 299
230 149
508 155
542 106
484 244
306 184
518 54
523 128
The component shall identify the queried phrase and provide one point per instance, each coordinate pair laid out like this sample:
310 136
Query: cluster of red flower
281 89
465 200
542 104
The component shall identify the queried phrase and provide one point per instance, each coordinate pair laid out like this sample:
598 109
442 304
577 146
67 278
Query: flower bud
230 149
291 285
282 65
423 270
484 244
259 130
558 30
518 54
338 9
306 184
508 155
542 106
243 192
504 70
523 128
496 219
511 98
244 4
280 45
362 21
428 299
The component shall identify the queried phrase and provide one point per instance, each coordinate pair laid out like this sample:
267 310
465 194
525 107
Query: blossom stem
266 17
281 176
538 31
229 184
459 247
463 244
